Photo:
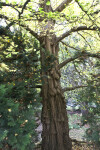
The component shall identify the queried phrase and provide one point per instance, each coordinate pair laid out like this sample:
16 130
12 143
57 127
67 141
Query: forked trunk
55 135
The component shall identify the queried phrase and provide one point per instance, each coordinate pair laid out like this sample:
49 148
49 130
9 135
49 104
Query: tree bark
55 135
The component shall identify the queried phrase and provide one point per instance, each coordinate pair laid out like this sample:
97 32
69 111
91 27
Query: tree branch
3 17
73 88
70 46
22 25
97 55
75 29
77 87
82 54
95 12
10 5
31 31
81 6
5 4
62 5
24 6
85 40
67 61
85 11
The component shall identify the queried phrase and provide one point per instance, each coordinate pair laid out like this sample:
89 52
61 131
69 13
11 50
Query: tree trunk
84 108
55 135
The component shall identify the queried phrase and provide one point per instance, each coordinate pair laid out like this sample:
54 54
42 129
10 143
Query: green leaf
7 1
50 14
48 3
40 9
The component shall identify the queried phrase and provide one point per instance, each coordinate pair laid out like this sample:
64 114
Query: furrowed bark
55 135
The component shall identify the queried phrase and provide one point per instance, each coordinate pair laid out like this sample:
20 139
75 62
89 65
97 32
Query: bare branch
97 55
3 17
37 86
75 29
82 54
31 31
9 25
81 6
70 46
73 88
24 6
5 4
67 61
62 5
10 5
22 25
91 35
96 12
85 40
77 87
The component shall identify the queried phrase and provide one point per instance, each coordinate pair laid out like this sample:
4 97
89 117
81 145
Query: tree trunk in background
55 135
84 108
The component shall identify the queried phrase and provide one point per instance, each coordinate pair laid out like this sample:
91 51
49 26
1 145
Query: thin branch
77 69
97 55
91 35
75 29
36 86
73 88
86 12
96 12
85 40
9 25
10 5
62 5
24 6
5 4
67 61
70 46
81 6
24 26
31 31
77 87
11 22
3 17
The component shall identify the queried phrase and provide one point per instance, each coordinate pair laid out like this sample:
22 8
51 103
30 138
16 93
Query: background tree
45 20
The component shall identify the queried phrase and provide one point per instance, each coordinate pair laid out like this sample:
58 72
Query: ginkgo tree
50 22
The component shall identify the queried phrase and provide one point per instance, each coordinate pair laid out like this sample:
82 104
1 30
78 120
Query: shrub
17 118
91 96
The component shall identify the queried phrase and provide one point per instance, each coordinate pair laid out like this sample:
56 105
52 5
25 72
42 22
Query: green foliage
90 95
17 119
73 119
19 97
48 61
48 3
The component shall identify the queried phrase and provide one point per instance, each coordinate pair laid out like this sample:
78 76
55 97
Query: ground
77 146
77 132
